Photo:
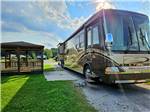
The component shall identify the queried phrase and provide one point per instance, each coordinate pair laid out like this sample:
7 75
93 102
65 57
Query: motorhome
112 46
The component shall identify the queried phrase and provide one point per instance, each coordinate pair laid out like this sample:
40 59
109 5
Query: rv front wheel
88 74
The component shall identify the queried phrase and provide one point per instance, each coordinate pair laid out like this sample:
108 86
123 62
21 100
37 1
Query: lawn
49 67
32 93
148 82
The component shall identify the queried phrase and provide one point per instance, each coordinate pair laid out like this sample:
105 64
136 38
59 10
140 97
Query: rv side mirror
61 49
109 41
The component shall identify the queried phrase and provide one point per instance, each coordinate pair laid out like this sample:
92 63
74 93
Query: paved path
60 74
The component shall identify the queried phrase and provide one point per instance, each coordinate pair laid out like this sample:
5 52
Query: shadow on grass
39 95
29 96
5 79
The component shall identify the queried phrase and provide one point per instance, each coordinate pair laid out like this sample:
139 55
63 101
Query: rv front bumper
129 81
137 75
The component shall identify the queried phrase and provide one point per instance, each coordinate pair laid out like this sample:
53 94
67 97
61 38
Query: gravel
127 98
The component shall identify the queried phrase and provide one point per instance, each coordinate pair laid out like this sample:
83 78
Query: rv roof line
96 14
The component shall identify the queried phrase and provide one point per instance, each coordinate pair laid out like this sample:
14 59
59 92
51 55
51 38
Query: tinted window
95 35
89 34
129 31
81 40
141 27
77 42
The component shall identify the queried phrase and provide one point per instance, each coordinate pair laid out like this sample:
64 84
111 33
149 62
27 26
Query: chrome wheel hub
88 73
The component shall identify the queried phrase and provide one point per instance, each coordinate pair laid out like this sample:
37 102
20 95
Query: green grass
52 60
148 83
10 86
49 67
32 93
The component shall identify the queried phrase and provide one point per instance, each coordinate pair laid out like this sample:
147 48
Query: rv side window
89 34
66 47
77 42
81 40
95 35
61 49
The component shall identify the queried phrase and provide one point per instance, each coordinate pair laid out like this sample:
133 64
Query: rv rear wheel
88 74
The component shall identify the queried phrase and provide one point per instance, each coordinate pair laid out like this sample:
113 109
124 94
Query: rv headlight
112 69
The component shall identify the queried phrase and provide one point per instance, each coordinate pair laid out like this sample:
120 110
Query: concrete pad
59 75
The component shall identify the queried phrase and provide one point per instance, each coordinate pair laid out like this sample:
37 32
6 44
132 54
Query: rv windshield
130 31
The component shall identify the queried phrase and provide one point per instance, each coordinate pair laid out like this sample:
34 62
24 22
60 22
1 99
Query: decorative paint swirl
135 60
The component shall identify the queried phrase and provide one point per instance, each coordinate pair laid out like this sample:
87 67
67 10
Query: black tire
88 73
62 63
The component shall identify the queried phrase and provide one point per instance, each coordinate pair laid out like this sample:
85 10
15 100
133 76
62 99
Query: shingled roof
20 44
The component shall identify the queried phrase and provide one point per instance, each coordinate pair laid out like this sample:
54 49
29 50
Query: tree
33 55
48 53
54 51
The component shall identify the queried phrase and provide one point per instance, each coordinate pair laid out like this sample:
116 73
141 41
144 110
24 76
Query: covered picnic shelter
21 57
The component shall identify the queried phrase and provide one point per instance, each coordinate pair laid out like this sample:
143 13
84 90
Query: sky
53 21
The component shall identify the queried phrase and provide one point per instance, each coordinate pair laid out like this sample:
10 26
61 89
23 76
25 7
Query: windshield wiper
130 35
129 40
142 37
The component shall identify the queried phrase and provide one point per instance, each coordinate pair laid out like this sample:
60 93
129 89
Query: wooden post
5 60
9 59
18 57
42 62
26 58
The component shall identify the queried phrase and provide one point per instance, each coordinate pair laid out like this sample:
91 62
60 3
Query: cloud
58 12
146 7
35 37
104 4
37 12
13 26
44 37
27 22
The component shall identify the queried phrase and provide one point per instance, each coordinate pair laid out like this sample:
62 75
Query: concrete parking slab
59 75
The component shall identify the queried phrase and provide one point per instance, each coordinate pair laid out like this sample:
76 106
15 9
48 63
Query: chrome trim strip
129 81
